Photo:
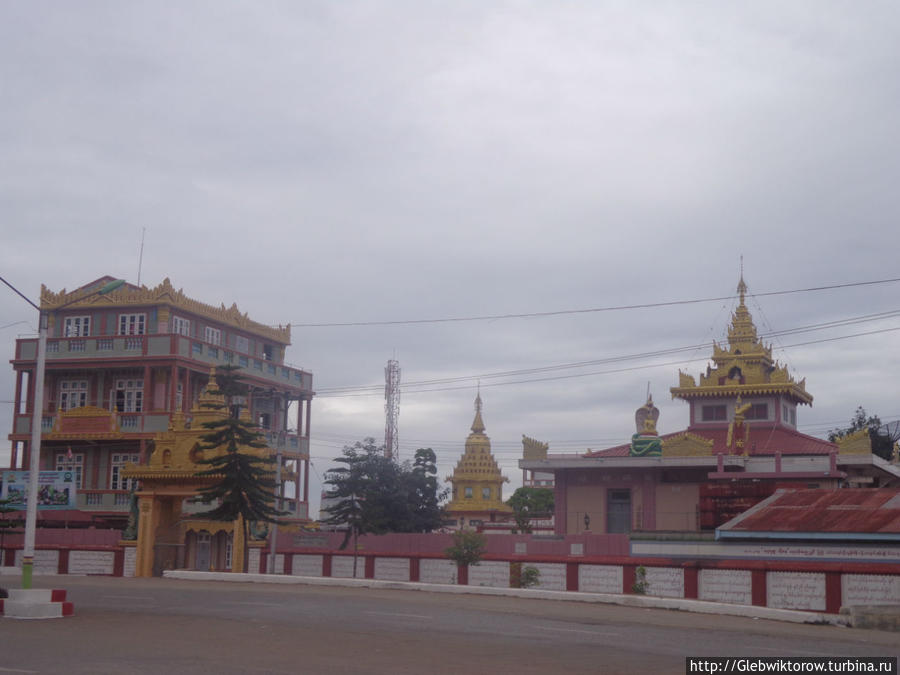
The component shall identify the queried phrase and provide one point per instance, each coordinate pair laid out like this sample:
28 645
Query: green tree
882 443
468 547
358 489
423 493
372 494
245 483
528 503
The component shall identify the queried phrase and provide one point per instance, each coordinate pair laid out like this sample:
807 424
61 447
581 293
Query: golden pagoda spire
745 365
742 333
477 480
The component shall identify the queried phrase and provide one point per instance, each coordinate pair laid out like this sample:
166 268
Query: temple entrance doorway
203 551
618 511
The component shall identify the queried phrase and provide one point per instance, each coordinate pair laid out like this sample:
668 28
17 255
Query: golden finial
742 287
478 423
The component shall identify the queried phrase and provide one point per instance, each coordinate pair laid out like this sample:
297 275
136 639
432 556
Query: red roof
858 510
767 440
764 440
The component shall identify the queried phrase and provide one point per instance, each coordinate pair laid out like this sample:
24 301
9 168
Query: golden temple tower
477 480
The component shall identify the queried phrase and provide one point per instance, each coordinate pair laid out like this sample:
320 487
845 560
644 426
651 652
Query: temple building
477 492
126 368
740 445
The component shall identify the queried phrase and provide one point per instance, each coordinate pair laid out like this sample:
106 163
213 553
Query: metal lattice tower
391 408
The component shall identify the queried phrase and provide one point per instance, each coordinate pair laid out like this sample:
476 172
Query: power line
615 308
365 391
332 391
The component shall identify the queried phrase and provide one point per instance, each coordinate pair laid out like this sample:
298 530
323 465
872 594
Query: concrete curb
877 617
644 601
35 603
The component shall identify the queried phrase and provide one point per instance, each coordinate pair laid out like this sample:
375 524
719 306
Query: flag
69 454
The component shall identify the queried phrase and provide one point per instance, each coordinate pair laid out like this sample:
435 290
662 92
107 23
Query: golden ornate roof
177 451
164 294
857 443
686 444
533 448
744 367
477 470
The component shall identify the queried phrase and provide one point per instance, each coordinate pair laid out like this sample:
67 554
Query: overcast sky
320 162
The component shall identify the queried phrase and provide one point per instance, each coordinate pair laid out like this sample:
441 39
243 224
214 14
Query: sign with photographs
56 489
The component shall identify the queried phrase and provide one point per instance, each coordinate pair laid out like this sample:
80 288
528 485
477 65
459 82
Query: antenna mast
141 256
391 408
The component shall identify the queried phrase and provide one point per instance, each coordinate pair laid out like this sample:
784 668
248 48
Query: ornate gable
163 295
686 445
742 367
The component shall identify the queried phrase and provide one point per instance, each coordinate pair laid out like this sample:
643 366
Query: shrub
640 585
468 548
531 576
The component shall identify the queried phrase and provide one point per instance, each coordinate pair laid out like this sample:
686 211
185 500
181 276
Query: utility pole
391 408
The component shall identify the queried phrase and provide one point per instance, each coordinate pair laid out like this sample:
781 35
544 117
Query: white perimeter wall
796 590
433 571
307 565
491 573
392 569
91 562
732 586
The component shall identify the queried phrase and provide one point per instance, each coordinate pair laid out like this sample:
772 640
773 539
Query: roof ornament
478 423
742 287
645 418
646 442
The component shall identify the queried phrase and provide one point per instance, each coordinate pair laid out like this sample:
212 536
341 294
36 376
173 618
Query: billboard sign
56 489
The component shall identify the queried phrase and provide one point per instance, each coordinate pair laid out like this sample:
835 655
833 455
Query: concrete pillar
691 581
148 518
629 576
758 590
833 592
238 546
572 576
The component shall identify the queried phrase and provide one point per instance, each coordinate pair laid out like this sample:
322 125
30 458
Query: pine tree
245 483
424 496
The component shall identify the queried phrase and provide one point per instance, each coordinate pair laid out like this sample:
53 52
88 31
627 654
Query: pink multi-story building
120 365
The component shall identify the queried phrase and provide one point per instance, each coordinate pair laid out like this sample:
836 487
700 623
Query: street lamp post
34 466
37 409
273 551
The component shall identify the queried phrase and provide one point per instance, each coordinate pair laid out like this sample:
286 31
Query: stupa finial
478 423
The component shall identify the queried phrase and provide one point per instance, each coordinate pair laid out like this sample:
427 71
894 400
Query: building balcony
129 347
103 424
104 500
291 445
294 508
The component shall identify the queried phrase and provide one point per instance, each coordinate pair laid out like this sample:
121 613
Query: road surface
171 626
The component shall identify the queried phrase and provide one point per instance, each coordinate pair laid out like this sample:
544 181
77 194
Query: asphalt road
172 627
